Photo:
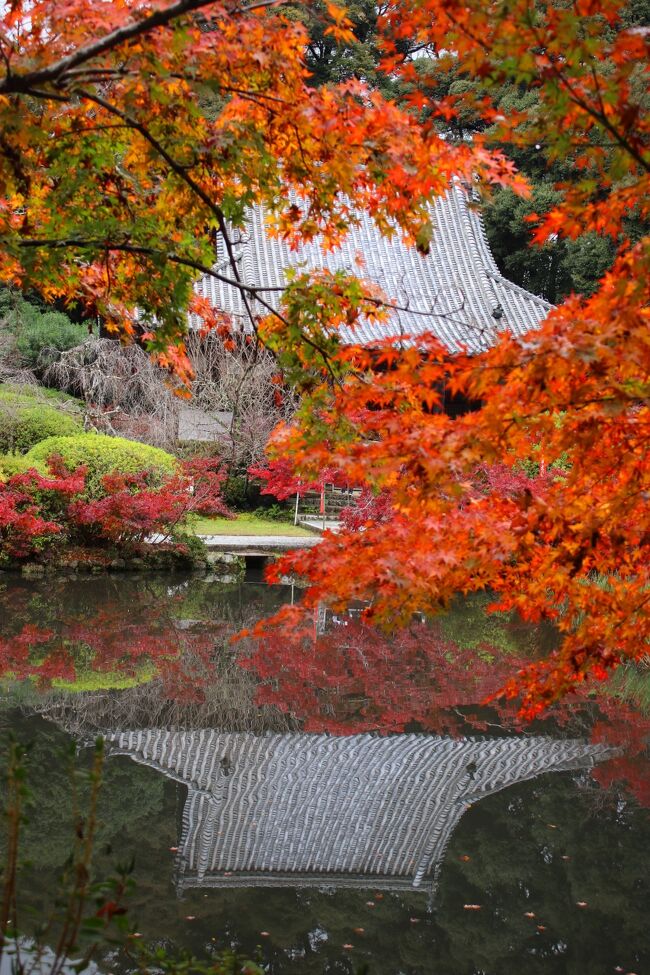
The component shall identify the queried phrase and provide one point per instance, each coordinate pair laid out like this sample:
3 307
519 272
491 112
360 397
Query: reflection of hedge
27 418
99 680
103 455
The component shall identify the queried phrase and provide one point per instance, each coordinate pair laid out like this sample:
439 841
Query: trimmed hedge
11 464
103 455
27 418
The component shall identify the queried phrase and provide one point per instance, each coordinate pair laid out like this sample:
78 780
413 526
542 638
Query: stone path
267 543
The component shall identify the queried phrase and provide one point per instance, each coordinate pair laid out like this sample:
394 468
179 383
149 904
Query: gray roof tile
317 809
451 292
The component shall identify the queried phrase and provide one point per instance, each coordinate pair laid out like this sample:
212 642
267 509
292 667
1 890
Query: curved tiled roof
453 291
315 810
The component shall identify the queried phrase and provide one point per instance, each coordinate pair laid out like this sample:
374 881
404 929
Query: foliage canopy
134 137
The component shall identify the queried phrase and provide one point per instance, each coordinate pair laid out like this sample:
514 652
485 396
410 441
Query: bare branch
125 392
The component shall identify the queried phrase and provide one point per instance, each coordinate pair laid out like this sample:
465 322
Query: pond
329 796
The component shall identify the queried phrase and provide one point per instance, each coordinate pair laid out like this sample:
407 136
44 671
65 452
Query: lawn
245 525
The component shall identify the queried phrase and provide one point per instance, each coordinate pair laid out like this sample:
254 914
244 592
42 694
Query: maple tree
575 391
136 134
117 181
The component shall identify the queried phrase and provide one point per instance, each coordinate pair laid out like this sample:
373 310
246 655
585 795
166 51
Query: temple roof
301 809
456 291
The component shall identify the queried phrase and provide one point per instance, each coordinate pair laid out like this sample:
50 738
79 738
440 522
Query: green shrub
240 493
38 328
13 464
26 418
103 455
275 512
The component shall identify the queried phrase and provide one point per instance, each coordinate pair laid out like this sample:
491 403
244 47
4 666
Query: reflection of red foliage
623 726
355 678
351 679
34 652
104 642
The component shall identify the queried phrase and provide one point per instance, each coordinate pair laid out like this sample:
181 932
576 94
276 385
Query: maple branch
247 93
198 190
602 119
132 123
245 289
19 82
599 116
46 95
258 5
145 251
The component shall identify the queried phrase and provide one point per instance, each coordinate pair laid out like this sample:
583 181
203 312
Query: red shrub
32 510
35 510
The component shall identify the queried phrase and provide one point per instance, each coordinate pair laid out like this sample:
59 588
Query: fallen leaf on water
464 858
472 907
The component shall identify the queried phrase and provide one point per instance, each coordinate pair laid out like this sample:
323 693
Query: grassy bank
245 524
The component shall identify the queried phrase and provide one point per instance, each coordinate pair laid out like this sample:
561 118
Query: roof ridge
507 283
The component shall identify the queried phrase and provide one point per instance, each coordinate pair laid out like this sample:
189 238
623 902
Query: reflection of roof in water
298 809
456 291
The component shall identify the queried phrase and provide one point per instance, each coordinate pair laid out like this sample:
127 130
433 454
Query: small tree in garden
32 509
278 478
237 378
132 507
125 392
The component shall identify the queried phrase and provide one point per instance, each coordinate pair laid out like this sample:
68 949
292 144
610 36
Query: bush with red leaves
38 511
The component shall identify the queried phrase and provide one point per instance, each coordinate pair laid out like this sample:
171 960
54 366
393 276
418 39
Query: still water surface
336 799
